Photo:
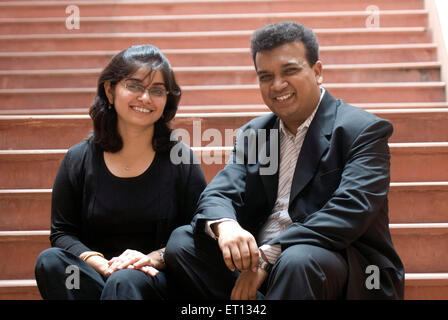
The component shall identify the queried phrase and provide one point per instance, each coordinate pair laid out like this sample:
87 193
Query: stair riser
356 56
419 205
422 251
231 77
412 292
25 212
18 257
210 24
419 164
20 293
39 171
211 96
436 292
36 11
211 41
57 133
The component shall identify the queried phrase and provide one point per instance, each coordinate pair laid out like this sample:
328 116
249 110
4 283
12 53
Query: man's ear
318 72
109 92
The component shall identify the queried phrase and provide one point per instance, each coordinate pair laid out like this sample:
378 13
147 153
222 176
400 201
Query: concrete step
419 161
210 22
25 209
63 131
50 98
426 286
24 289
412 242
418 286
412 202
226 108
19 249
418 202
36 169
356 54
38 9
202 39
227 75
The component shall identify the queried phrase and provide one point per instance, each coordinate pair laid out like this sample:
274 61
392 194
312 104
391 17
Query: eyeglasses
154 92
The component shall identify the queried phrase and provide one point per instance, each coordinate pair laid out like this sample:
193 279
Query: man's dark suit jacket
338 195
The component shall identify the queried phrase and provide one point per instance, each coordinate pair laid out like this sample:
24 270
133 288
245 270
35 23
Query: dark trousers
56 270
301 271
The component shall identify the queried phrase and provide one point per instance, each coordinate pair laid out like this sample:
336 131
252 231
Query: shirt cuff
208 226
271 252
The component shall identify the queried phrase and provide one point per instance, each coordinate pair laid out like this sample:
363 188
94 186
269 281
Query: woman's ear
109 92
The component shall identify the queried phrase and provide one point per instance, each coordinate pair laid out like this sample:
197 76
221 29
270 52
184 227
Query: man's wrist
217 227
264 265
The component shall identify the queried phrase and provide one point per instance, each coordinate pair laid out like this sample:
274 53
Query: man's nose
279 84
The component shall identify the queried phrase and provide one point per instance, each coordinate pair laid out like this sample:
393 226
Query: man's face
289 85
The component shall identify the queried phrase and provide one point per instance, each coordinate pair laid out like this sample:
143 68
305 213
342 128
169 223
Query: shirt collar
306 124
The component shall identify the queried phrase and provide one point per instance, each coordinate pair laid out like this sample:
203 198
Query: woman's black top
93 210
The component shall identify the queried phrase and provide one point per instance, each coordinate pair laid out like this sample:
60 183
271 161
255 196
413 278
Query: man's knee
311 258
320 273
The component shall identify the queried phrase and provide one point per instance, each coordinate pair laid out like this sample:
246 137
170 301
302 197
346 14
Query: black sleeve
225 192
193 183
66 207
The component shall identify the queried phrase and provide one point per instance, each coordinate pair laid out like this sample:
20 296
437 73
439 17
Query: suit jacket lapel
315 144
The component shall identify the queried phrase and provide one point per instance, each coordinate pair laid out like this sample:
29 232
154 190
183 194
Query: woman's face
139 99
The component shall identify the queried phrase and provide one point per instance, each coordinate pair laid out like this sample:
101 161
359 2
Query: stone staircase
48 75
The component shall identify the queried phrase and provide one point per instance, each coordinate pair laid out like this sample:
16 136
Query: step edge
392 226
396 145
192 34
393 185
379 85
362 66
222 16
236 114
182 109
366 47
411 279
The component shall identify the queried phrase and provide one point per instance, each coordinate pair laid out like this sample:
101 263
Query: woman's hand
99 263
133 259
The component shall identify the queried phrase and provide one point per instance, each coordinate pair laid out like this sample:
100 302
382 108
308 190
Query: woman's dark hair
125 63
277 34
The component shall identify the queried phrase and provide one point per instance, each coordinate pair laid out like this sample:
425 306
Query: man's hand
247 284
238 246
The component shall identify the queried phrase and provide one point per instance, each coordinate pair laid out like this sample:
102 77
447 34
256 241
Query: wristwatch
266 266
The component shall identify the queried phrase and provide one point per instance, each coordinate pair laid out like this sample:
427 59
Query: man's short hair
277 34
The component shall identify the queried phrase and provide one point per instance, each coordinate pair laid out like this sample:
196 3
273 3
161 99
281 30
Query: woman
117 196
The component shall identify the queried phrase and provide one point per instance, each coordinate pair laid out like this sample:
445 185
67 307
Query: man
316 227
